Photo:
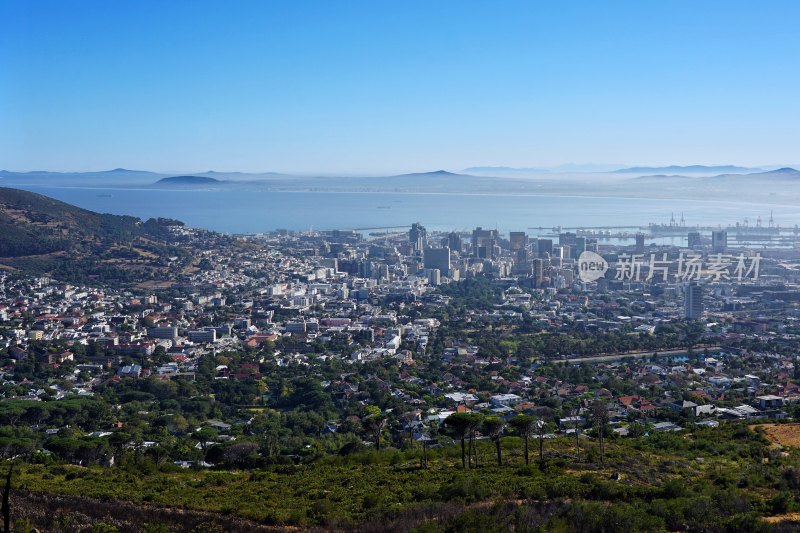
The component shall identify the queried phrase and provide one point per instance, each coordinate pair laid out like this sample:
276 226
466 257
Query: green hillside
729 479
42 235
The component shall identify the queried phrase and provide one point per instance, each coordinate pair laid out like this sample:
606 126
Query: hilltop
784 171
43 235
431 174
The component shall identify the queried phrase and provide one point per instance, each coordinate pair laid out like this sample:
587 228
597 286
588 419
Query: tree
240 454
476 420
576 420
460 424
600 416
205 435
409 418
374 425
541 430
523 425
427 439
37 414
493 426
635 428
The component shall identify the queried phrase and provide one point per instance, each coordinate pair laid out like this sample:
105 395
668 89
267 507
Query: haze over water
234 210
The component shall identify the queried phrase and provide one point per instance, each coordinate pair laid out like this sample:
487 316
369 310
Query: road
635 355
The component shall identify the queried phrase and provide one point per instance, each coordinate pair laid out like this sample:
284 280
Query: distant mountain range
117 172
755 177
566 168
140 176
505 170
691 169
117 175
781 174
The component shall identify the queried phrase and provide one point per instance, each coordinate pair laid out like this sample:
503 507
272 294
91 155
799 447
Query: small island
187 180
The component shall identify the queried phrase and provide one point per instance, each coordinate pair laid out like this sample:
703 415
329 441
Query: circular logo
591 266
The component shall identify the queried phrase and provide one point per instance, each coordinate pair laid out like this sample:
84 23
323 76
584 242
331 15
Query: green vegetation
715 480
41 235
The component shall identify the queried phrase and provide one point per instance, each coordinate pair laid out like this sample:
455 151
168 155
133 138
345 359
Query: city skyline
362 89
399 266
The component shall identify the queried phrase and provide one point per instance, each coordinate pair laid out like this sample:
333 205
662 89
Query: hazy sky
373 86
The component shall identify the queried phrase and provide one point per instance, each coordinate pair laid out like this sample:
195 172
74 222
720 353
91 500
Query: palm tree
494 426
523 424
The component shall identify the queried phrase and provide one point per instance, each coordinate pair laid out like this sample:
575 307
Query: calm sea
233 210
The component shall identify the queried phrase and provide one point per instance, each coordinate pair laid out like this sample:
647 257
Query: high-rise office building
719 242
544 246
418 236
537 272
567 239
580 246
434 276
639 243
693 303
454 242
438 258
483 242
518 239
694 239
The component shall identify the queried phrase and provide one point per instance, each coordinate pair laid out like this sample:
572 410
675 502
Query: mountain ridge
690 169
42 235
753 177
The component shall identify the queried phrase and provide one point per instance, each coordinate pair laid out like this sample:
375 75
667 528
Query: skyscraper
418 236
483 242
639 243
719 242
537 272
693 302
580 246
694 239
454 242
544 246
567 239
438 258
518 239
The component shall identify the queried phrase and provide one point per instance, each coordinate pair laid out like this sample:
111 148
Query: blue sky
380 87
